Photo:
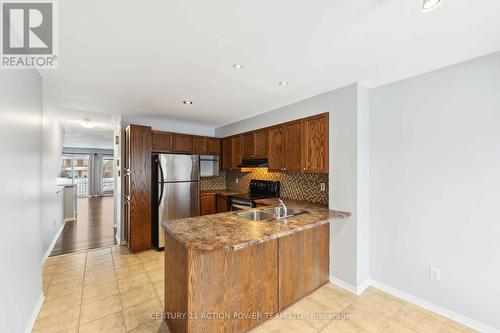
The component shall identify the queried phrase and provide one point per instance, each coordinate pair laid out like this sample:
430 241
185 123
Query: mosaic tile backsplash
214 183
298 186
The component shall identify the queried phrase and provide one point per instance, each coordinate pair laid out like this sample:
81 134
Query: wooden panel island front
224 273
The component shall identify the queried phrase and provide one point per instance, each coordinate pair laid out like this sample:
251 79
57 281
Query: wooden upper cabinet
248 145
213 146
316 144
275 154
162 142
206 146
297 146
261 143
293 146
199 145
227 154
255 144
182 143
237 152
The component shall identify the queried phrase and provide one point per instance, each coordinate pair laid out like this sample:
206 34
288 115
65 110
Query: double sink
269 214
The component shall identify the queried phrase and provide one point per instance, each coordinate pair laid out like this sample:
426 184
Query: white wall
435 187
20 197
117 175
342 105
52 202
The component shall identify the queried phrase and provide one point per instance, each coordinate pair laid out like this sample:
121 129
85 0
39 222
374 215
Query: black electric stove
258 189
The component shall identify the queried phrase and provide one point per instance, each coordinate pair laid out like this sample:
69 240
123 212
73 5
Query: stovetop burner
251 197
260 189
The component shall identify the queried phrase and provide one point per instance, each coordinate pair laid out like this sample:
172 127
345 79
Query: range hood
253 163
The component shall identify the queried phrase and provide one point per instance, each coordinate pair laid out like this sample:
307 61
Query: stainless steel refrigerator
176 191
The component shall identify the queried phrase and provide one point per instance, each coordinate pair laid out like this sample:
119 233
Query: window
75 170
107 175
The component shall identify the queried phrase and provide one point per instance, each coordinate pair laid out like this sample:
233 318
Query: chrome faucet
278 209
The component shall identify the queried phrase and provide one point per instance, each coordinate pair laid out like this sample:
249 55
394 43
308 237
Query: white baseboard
53 243
34 315
474 324
363 286
356 290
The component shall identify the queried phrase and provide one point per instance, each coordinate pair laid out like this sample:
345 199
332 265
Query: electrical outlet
322 187
434 273
237 180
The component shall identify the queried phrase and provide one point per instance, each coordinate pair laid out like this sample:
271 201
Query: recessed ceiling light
428 5
187 102
283 83
237 66
87 123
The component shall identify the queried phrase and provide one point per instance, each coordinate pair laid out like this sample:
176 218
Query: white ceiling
142 58
101 135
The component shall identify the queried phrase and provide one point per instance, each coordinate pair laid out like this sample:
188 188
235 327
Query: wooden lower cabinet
261 279
222 203
201 282
303 263
208 204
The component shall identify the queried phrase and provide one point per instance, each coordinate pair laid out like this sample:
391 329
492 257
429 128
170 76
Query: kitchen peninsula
227 273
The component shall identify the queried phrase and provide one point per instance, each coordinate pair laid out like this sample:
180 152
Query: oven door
239 204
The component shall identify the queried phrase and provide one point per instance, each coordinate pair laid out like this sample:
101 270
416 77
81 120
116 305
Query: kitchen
268 187
276 167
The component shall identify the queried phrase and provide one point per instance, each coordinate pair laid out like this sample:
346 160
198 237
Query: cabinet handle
304 169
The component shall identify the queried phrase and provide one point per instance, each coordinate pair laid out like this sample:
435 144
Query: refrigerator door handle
162 182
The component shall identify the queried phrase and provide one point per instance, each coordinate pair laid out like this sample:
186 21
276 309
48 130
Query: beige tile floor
111 290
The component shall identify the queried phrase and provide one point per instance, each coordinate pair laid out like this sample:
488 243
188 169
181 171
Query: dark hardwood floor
93 228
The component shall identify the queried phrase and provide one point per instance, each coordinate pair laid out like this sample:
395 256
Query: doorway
90 173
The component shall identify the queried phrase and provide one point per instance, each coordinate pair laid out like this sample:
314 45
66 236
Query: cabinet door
248 145
182 143
261 143
236 152
213 146
222 205
293 146
316 144
126 220
162 142
227 156
303 263
199 145
208 205
126 163
140 188
276 140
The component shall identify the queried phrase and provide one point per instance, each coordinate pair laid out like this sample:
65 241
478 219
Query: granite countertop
221 192
226 231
